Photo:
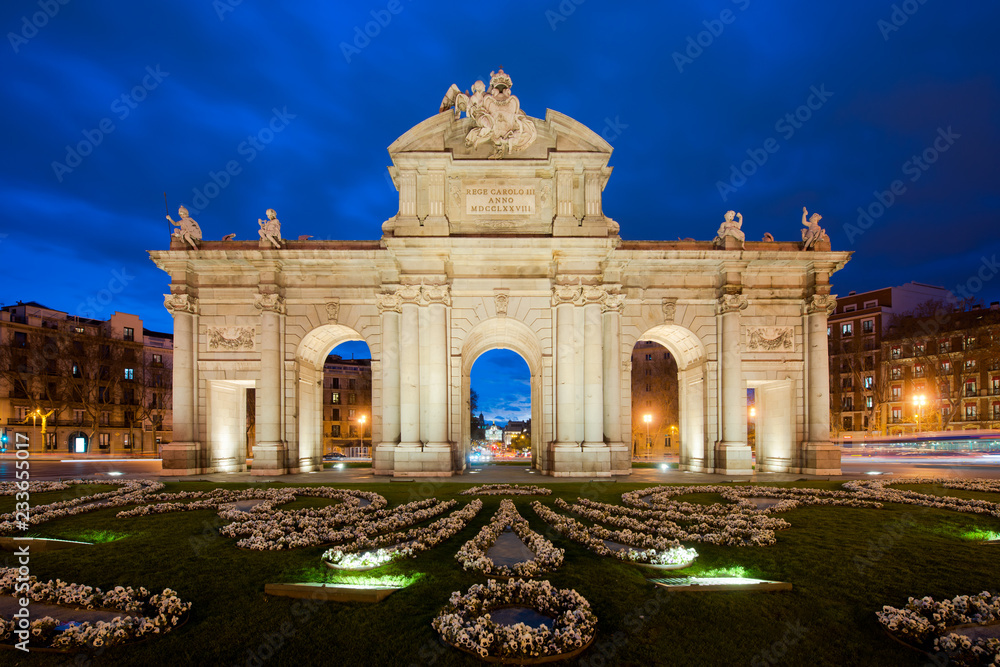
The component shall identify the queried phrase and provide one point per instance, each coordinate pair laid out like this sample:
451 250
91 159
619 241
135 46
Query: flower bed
465 622
473 556
506 490
928 625
157 613
879 490
651 549
409 543
128 493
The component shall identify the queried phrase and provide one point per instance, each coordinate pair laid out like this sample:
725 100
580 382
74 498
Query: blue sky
759 107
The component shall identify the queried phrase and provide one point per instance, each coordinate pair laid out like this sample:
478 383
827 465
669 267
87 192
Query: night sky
763 108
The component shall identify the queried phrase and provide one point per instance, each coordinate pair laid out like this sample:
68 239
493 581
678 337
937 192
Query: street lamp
647 419
361 420
919 400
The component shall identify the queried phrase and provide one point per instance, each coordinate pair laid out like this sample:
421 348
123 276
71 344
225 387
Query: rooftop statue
812 233
270 229
497 114
188 230
731 227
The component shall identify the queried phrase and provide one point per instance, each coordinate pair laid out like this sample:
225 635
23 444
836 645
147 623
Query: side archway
689 352
310 357
506 334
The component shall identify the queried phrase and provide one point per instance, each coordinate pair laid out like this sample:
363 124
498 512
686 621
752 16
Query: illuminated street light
361 420
919 400
647 419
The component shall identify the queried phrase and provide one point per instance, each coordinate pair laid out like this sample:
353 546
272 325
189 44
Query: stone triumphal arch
500 241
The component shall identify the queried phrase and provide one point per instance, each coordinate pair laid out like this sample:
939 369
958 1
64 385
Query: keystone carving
180 303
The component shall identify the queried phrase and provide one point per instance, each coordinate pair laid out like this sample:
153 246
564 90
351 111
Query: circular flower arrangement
927 624
506 490
465 622
153 613
473 556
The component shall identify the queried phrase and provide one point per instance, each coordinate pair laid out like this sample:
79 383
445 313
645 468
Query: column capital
821 302
436 294
408 294
566 294
273 303
389 302
732 303
180 303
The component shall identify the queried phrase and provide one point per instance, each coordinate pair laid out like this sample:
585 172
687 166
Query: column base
269 459
820 458
733 458
382 460
181 458
411 461
621 458
570 460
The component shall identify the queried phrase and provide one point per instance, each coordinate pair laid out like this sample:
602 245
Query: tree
477 429
31 369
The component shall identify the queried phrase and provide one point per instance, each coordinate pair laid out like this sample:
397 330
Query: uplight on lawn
664 467
116 474
339 466
980 535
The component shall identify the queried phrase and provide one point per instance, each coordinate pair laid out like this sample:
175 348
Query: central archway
507 334
689 353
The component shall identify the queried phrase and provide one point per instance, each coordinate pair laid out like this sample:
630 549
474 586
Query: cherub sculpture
497 114
731 227
812 233
270 229
188 230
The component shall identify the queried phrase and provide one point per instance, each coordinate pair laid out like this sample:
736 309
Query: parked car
334 457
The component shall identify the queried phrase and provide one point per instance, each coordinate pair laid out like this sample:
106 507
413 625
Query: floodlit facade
501 241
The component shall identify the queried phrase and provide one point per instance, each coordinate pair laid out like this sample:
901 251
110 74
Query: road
982 465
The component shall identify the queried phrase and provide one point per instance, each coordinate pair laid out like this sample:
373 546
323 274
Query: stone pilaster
437 298
390 307
621 459
409 366
593 368
820 455
563 298
269 452
184 456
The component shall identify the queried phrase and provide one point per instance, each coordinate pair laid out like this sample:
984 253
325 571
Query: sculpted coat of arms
497 114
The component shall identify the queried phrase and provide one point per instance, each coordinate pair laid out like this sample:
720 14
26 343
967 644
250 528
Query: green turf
844 564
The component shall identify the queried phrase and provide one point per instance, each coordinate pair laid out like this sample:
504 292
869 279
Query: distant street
982 465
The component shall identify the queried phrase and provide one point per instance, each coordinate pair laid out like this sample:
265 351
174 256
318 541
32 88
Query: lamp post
361 420
919 400
647 419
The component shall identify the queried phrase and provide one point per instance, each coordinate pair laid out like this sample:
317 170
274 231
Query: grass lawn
844 563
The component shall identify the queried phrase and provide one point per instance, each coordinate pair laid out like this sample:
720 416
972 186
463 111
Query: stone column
269 450
612 350
732 451
593 369
409 367
820 456
389 309
183 455
437 297
563 298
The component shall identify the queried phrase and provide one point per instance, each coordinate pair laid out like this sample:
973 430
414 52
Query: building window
848 424
868 326
335 415
897 351
78 329
848 403
995 385
944 346
335 431
104 440
128 333
353 432
76 371
869 381
336 383
649 387
105 418
970 364
129 373
157 359
970 388
126 443
919 348
649 357
78 416
896 373
897 391
352 398
350 414
649 404
871 304
897 415
996 411
970 412
648 372
50 442
847 383
946 367
969 342
335 398
918 370
851 308
869 402
847 329
352 383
